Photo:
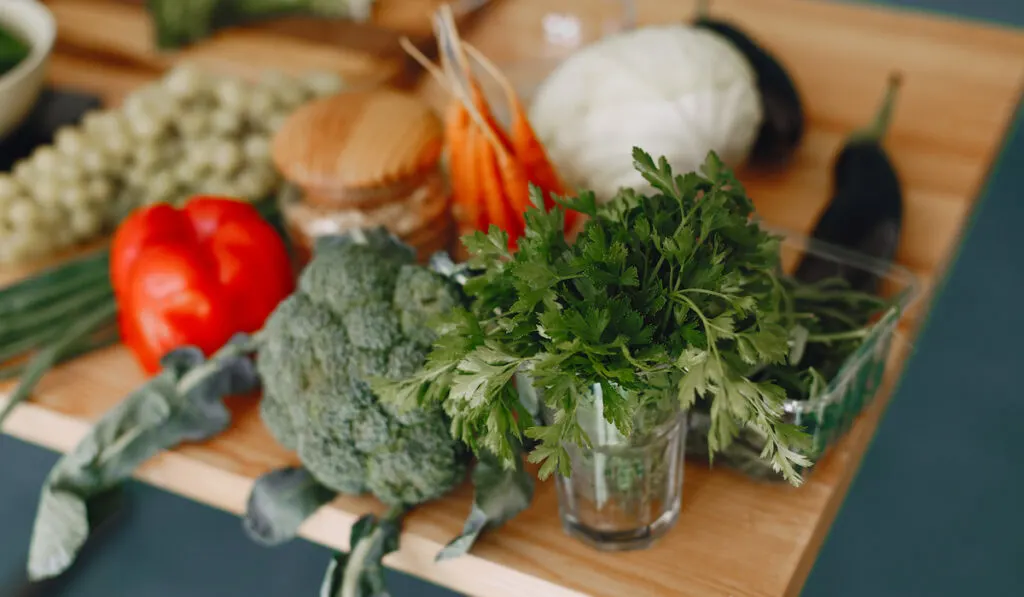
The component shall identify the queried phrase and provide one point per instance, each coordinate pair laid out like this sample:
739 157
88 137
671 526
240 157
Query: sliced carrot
458 134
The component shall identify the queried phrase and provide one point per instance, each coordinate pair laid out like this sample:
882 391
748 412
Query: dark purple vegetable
782 129
866 210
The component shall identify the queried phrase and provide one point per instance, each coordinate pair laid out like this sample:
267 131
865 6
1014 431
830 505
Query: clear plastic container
829 416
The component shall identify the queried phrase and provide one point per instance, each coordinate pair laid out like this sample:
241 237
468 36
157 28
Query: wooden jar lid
353 147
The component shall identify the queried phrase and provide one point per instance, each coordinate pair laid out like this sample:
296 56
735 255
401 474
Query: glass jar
624 493
420 215
364 160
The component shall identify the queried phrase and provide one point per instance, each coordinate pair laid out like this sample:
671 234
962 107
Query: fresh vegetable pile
393 379
385 376
842 330
360 312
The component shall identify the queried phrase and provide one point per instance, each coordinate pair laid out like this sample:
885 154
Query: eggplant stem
883 117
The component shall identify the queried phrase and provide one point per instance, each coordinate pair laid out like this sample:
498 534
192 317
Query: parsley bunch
662 299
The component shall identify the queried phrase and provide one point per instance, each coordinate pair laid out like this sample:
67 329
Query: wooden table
735 537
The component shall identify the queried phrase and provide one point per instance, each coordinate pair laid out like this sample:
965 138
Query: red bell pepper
195 276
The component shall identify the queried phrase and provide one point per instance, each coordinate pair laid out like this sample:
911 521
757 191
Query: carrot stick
461 164
477 215
489 175
482 106
516 186
448 28
457 130
526 147
503 184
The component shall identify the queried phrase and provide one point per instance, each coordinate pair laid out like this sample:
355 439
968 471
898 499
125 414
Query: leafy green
829 321
280 501
48 318
12 51
360 573
64 341
183 403
670 296
832 326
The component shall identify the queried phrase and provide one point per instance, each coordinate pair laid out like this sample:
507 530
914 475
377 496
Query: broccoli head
360 312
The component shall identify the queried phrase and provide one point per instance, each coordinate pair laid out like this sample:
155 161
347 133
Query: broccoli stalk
360 573
360 313
178 23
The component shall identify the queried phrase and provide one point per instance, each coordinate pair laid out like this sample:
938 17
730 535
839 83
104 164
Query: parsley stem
838 315
850 335
720 295
657 266
712 344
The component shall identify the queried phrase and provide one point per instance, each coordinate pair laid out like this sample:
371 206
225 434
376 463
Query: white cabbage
674 90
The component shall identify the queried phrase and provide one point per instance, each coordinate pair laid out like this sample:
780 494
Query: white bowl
20 87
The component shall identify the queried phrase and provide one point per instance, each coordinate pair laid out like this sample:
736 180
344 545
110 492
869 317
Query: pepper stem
703 7
880 125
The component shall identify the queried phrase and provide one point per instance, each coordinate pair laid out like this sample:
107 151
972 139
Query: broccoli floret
423 447
360 313
419 298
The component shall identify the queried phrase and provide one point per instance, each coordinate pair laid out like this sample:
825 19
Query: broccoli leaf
360 573
281 501
182 403
500 494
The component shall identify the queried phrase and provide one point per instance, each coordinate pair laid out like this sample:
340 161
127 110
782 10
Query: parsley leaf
663 300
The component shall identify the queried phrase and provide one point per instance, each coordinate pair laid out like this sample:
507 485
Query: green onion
49 318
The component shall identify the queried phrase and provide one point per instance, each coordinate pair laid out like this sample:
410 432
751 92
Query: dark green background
935 510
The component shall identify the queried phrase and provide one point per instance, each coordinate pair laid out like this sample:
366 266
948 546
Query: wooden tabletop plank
735 537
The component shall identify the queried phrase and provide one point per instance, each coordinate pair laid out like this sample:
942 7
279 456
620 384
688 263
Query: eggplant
865 213
782 128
